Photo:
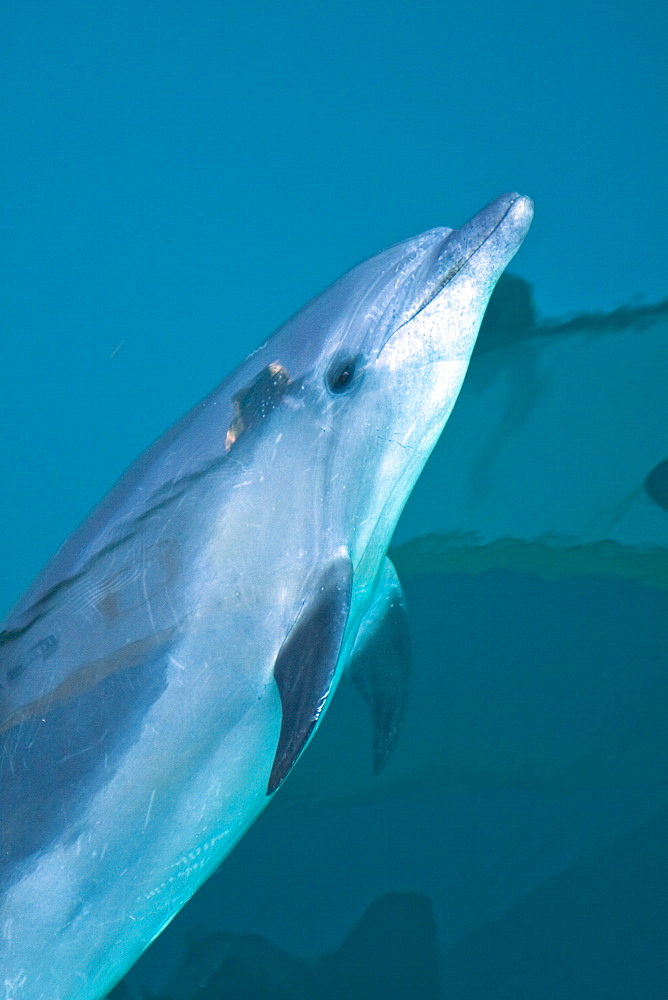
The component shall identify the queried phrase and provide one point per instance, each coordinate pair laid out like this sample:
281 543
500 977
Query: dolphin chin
162 676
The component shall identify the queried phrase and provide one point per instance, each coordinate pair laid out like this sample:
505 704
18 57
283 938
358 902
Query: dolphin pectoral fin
380 664
306 664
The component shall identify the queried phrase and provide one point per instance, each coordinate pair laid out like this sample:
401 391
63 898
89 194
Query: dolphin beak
511 213
500 228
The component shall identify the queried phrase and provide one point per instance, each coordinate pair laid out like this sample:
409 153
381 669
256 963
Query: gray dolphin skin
164 672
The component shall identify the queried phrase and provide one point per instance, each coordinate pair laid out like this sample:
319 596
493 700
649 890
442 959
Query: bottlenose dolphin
164 672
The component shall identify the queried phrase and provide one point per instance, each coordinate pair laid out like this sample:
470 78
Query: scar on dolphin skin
256 400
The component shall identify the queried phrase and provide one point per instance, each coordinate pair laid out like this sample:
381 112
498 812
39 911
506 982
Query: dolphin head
356 386
377 360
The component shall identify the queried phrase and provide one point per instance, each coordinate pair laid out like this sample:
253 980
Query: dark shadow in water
391 954
512 316
656 484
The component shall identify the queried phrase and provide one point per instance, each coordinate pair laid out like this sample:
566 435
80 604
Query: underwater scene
355 685
514 846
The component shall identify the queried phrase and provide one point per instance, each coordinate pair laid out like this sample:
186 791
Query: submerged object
164 672
390 953
656 484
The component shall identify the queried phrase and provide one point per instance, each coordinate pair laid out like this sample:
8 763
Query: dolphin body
166 669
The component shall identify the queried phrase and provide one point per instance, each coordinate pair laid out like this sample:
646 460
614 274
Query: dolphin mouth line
451 272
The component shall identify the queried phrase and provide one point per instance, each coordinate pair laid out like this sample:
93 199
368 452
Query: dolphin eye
341 375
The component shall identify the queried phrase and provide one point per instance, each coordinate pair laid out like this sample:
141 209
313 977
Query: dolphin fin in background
306 664
391 953
380 665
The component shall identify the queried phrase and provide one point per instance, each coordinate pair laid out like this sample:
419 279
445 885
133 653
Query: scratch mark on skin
86 749
408 447
168 602
148 602
150 806
15 984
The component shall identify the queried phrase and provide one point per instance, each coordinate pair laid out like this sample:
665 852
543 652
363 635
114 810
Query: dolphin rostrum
169 665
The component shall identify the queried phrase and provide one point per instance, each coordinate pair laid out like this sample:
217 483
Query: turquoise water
179 178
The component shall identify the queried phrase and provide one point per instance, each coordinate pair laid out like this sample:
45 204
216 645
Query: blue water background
177 179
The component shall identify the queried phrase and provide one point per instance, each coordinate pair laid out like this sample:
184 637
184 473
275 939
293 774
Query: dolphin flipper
306 664
380 665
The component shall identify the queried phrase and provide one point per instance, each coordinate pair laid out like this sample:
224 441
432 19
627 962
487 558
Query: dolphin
167 668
